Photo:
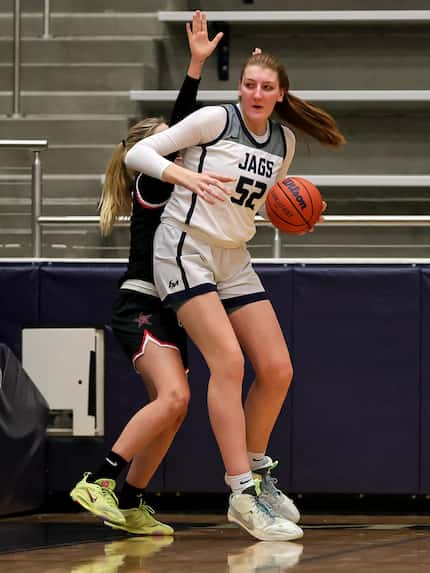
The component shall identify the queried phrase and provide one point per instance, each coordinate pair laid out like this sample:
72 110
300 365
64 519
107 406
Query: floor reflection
208 544
135 554
270 556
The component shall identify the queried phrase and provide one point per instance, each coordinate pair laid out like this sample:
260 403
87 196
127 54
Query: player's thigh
207 323
260 335
163 372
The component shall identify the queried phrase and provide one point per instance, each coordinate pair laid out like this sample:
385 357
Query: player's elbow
131 159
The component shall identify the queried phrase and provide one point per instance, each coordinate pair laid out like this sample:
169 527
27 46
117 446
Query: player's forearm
146 160
177 175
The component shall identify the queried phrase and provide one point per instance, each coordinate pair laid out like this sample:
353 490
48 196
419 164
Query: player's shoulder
214 112
288 133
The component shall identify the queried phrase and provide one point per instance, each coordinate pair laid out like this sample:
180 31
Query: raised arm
200 50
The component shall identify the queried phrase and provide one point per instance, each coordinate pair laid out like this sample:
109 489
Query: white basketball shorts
185 267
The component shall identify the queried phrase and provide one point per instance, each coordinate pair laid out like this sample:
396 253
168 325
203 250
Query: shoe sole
154 533
265 537
83 503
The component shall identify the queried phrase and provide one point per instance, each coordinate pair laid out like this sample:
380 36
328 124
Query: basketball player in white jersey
202 269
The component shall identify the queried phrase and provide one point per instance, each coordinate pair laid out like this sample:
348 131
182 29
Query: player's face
259 91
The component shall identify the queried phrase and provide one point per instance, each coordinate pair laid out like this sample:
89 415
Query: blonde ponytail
115 200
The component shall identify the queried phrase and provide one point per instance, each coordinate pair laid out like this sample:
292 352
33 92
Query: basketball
294 205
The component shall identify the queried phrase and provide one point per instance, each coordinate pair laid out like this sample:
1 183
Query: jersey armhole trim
220 136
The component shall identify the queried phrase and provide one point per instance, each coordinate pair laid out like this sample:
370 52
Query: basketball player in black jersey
148 332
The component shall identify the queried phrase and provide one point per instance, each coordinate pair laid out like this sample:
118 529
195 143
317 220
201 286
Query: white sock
258 460
240 482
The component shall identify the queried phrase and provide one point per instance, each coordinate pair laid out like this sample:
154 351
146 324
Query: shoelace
144 507
108 494
266 509
270 483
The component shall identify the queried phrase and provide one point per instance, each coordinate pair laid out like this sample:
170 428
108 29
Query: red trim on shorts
147 337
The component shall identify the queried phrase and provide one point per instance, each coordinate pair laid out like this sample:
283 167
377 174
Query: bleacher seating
104 66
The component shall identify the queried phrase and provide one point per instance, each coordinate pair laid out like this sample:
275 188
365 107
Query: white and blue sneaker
274 497
257 518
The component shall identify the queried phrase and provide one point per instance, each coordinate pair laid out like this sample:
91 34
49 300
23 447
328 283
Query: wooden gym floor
79 543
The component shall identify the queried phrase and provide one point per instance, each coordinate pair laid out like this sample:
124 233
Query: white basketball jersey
255 166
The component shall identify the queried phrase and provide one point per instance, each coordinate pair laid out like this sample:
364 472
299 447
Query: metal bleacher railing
17 50
36 146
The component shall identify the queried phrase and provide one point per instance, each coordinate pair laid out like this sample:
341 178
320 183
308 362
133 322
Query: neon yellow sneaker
139 521
98 498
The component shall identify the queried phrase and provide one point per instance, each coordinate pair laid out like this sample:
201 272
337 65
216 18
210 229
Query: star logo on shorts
143 319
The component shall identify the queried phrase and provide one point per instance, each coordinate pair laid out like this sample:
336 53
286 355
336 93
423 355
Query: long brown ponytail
295 111
115 200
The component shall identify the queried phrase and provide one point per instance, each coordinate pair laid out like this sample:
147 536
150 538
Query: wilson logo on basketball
295 191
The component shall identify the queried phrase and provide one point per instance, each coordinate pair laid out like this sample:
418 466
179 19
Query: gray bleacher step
63 194
98 5
86 24
61 129
319 57
153 5
384 242
70 102
79 186
75 195
380 144
66 158
78 49
100 77
312 5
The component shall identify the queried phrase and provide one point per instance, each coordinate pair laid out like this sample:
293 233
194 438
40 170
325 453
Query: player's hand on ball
321 218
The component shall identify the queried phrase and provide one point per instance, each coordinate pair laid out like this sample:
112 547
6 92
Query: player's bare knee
177 404
229 367
278 375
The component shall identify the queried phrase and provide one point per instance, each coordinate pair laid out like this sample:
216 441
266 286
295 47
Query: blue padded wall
357 417
76 295
19 296
356 403
425 382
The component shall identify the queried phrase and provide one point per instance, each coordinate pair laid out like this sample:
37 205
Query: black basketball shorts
139 318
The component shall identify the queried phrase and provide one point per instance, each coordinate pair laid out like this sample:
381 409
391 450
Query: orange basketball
294 205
